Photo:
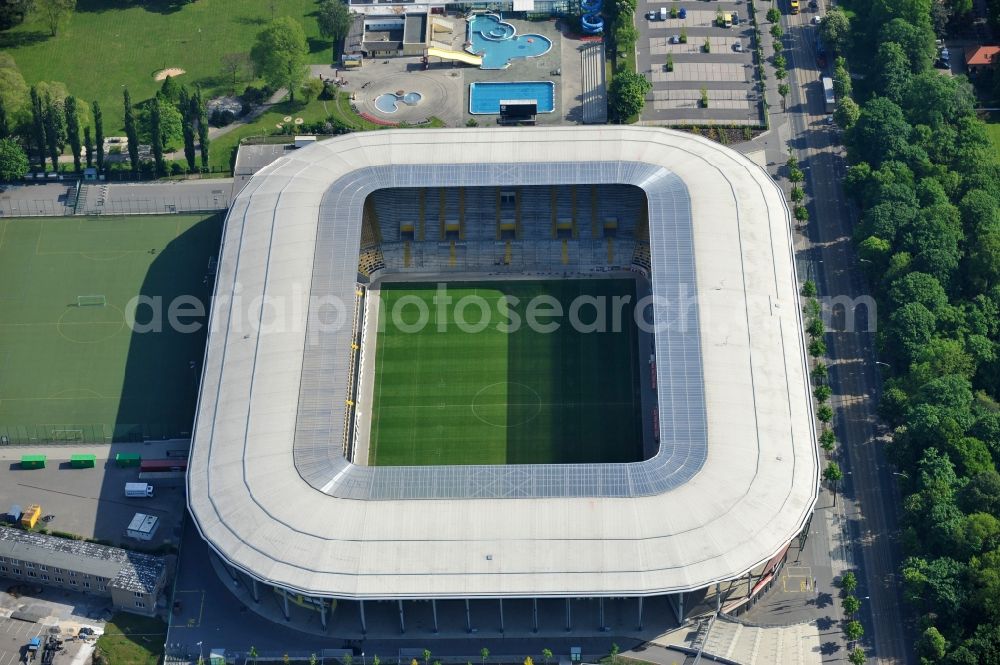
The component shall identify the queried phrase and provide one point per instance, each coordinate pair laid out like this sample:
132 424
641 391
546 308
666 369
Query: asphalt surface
871 497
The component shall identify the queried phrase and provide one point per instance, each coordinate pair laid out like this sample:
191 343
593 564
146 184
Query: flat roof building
132 580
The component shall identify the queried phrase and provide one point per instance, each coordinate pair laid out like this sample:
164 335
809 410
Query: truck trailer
138 490
828 95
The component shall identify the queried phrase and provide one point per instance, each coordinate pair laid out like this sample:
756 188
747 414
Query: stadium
370 428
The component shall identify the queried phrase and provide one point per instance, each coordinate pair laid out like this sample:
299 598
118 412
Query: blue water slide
592 24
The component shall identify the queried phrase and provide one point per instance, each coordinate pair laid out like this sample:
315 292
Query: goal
66 435
91 301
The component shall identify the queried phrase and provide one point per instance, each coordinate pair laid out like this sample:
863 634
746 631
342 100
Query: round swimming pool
389 102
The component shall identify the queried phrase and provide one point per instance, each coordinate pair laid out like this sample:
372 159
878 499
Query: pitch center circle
89 325
506 404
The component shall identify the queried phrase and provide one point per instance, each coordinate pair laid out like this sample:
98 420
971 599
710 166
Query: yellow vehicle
30 517
795 6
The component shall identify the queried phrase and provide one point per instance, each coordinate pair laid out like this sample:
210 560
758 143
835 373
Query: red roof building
978 57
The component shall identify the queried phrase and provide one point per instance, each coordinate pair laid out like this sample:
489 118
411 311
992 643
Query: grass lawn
993 129
108 44
133 640
71 372
444 395
221 150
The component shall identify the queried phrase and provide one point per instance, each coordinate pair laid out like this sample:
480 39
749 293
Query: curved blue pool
499 43
485 96
388 103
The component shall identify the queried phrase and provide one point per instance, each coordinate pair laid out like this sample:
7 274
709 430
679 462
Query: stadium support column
468 616
364 625
718 598
402 617
284 605
254 591
639 627
501 616
322 612
569 616
676 601
534 614
434 610
600 613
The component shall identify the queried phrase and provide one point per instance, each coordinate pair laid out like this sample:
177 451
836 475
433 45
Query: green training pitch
443 395
71 368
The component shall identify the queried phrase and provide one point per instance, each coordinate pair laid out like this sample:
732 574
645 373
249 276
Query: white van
138 490
663 13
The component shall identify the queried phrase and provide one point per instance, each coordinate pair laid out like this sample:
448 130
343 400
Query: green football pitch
444 395
71 368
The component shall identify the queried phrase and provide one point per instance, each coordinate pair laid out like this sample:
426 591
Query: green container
128 459
33 461
83 461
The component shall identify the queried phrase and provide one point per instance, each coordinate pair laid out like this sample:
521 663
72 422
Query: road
873 513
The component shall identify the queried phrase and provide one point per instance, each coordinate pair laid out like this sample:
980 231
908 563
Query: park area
444 395
131 640
108 45
71 366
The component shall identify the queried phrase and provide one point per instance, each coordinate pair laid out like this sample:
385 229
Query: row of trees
927 179
44 120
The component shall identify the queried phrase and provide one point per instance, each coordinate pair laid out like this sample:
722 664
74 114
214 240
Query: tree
484 653
334 22
55 127
253 654
13 12
187 131
55 12
546 655
279 55
614 653
171 124
893 72
628 95
851 605
815 327
819 372
156 136
849 582
99 134
824 413
73 130
932 644
835 30
528 660
13 160
131 132
827 440
198 108
311 88
822 393
847 113
832 474
38 126
853 630
427 656
234 65
347 659
857 656
776 32
783 90
88 146
881 132
801 214
817 348
625 36
808 288
842 86
13 91
916 39
773 15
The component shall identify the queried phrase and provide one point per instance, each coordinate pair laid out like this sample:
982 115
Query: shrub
797 194
815 327
824 413
809 289
684 36
708 45
817 348
255 95
176 168
801 213
822 393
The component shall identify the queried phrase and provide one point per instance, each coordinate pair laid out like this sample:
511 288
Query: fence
21 435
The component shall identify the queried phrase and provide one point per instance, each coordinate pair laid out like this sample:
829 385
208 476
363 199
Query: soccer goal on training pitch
91 301
66 435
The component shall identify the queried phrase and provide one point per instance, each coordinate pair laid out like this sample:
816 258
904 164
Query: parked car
675 39
683 13
736 18
816 20
738 47
652 16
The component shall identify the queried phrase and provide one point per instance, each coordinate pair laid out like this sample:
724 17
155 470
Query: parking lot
14 637
725 71
91 502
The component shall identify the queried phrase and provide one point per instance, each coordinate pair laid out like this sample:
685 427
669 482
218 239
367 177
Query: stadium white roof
737 472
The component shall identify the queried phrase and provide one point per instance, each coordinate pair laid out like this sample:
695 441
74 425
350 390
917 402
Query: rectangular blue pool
485 96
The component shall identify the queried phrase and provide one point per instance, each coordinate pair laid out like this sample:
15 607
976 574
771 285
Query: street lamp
201 656
362 658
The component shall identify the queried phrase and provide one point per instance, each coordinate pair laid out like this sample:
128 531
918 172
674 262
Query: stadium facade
271 485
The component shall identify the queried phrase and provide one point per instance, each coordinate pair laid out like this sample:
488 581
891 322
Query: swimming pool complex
485 96
498 42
